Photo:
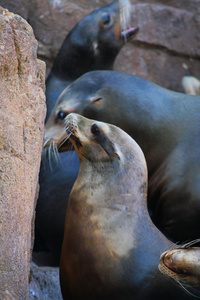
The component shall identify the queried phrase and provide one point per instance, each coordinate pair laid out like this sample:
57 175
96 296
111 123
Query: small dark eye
106 18
96 100
95 129
61 115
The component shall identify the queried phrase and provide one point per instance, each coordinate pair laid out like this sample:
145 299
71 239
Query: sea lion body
165 124
93 44
111 247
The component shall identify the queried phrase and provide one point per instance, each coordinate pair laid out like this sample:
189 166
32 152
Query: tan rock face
166 48
22 113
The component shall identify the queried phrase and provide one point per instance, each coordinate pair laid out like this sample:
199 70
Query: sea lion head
94 97
96 40
98 141
105 29
90 139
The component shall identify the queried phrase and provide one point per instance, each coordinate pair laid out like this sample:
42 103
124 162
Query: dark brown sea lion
93 44
182 264
111 248
165 124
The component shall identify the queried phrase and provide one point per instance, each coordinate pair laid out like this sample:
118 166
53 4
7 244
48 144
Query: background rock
45 284
166 48
22 113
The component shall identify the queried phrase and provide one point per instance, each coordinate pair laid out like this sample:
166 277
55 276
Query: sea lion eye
106 18
95 129
61 115
96 100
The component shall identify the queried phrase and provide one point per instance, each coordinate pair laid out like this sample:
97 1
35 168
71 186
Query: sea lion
182 264
93 44
111 248
165 124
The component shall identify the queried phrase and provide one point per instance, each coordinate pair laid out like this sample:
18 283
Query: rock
166 48
45 284
22 113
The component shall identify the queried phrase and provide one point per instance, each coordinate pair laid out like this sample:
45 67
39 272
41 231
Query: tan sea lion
111 248
165 124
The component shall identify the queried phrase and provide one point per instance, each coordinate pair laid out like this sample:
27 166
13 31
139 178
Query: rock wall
22 113
166 48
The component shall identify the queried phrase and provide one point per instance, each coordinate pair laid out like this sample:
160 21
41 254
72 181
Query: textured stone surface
22 112
44 283
166 48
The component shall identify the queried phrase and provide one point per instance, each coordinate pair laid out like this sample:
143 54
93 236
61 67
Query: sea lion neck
126 209
67 68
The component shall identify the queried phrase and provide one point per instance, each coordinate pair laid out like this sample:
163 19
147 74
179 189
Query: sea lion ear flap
96 100
117 153
117 156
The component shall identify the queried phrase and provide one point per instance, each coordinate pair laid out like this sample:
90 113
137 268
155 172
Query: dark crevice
156 47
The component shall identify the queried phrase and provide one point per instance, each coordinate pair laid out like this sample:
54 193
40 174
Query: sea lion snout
85 133
182 264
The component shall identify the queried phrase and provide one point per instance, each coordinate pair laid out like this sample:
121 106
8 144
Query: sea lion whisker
125 10
44 160
49 157
67 124
63 133
65 139
187 245
185 289
175 246
66 128
46 141
70 127
51 150
55 152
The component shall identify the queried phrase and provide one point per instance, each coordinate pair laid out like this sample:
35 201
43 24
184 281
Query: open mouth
76 140
125 34
66 146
